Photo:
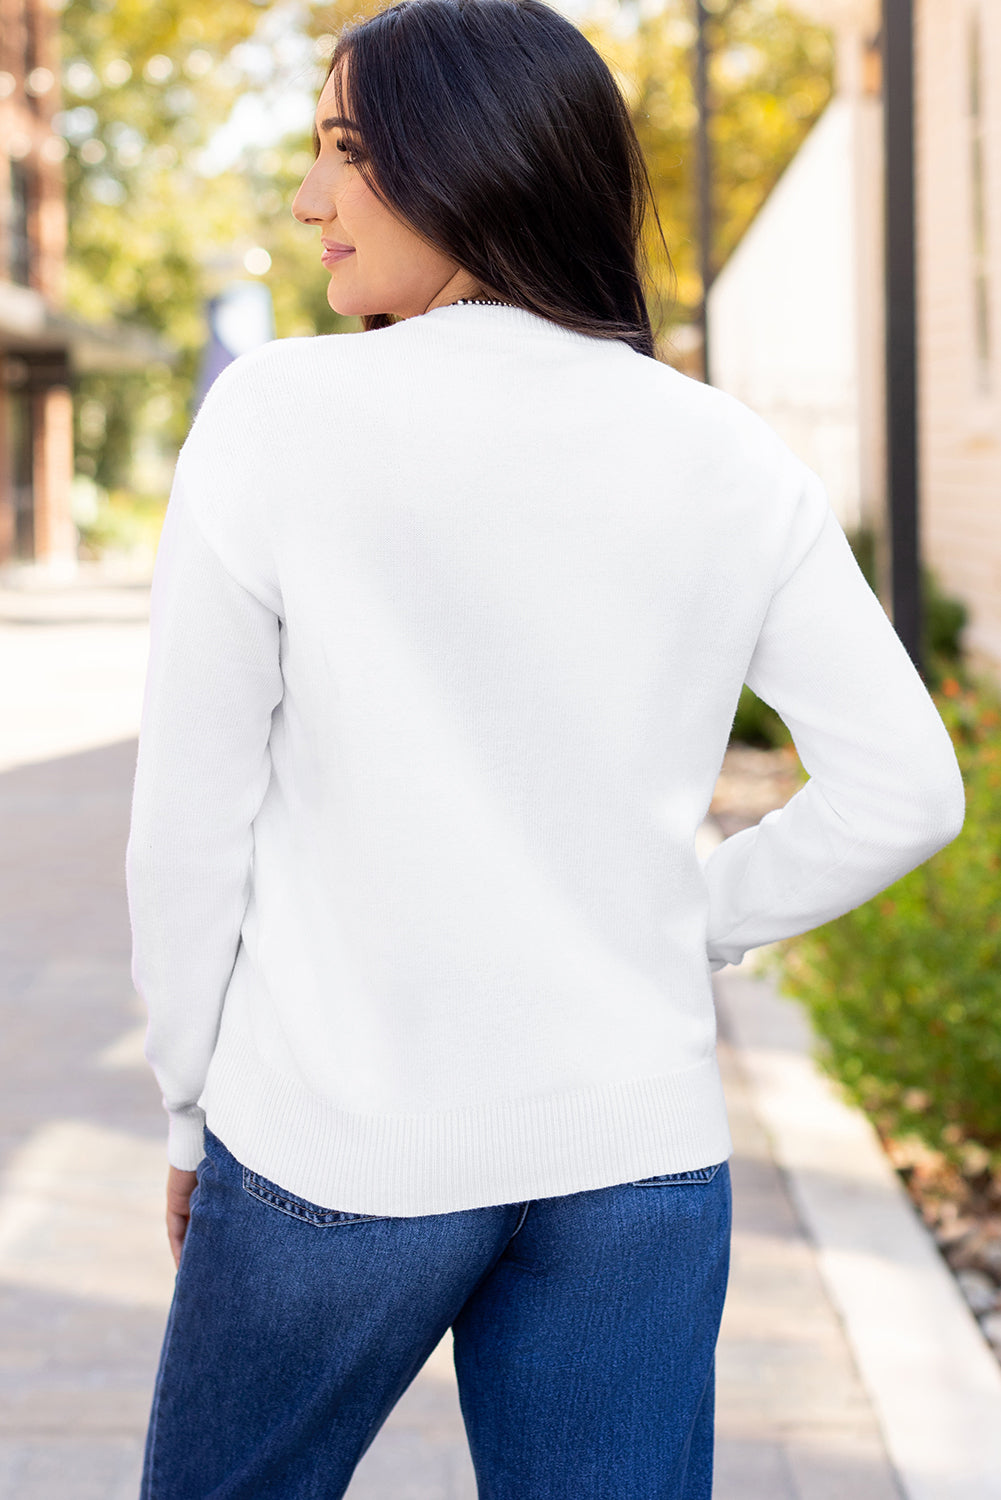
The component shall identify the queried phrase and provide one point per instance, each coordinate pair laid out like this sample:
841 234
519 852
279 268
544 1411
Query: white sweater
449 622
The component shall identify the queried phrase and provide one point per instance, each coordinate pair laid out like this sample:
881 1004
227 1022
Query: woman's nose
299 210
307 206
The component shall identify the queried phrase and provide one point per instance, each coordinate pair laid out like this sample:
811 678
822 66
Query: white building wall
796 316
790 316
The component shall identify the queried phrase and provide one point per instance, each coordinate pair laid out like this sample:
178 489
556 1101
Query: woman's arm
203 766
885 791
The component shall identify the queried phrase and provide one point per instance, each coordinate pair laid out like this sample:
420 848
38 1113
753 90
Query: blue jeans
584 1335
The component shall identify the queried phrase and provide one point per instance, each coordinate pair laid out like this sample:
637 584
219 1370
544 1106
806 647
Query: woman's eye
352 150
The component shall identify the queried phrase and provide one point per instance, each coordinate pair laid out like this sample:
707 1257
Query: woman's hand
180 1186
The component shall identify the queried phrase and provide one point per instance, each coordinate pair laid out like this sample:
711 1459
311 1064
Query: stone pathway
85 1274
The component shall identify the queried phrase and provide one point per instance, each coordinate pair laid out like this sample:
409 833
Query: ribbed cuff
185 1137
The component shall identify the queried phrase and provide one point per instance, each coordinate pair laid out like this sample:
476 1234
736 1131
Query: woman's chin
345 305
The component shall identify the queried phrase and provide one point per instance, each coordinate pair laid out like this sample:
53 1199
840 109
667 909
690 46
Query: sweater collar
501 315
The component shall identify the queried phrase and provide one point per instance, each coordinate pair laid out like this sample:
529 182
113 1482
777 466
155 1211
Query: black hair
498 133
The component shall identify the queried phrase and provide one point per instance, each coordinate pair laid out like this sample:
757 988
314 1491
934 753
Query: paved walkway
85 1275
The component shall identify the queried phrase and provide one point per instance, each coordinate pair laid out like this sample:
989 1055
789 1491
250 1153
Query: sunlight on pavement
126 1051
81 1214
73 689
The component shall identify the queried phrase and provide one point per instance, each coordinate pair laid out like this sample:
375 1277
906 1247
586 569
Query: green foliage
143 88
905 991
756 723
153 231
944 620
122 523
105 416
863 544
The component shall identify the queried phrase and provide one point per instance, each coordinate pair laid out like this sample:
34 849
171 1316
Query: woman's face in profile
383 267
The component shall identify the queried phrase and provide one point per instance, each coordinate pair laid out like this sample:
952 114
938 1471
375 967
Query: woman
449 622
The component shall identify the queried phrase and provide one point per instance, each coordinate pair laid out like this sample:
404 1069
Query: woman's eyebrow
331 123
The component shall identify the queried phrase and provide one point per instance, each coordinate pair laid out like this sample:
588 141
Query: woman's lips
329 256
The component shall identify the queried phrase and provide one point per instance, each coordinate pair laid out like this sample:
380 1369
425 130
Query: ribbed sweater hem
506 1151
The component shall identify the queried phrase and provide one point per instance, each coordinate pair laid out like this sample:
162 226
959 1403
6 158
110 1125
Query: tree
153 229
152 232
770 77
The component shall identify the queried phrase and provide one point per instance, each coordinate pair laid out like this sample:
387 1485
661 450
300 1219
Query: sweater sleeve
213 678
884 791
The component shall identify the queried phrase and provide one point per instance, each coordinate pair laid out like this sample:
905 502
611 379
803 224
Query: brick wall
36 437
960 378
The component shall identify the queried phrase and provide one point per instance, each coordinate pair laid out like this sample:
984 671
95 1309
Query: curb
934 1384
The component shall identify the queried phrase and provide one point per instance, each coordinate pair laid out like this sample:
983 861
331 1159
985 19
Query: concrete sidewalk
85 1274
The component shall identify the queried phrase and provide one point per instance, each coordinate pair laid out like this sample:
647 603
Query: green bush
755 723
944 620
905 991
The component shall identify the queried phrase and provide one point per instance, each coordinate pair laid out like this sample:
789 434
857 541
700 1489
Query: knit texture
448 626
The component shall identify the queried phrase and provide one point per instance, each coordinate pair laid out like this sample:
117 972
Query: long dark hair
497 132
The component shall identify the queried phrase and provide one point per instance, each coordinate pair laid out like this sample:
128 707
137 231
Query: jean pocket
694 1174
299 1208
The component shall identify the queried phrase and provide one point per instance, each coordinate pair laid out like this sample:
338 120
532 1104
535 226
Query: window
983 351
31 23
20 446
18 224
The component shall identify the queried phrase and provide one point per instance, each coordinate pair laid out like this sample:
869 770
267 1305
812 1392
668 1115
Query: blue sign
240 317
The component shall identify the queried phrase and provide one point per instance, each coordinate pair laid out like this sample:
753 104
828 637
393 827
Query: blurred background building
41 349
796 313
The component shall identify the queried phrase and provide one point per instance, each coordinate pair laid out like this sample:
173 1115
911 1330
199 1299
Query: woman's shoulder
717 407
277 361
708 423
269 387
